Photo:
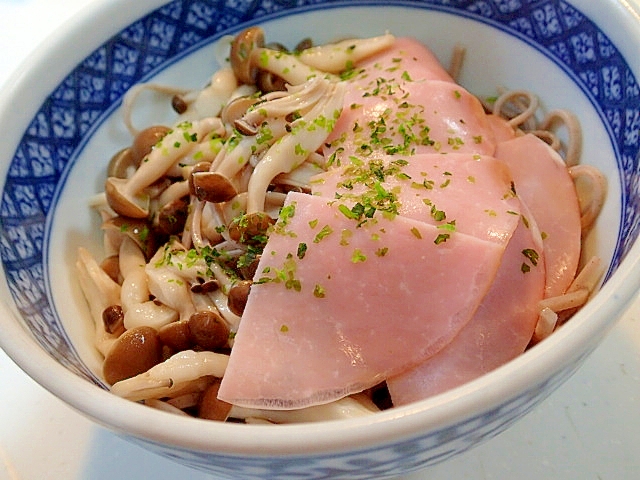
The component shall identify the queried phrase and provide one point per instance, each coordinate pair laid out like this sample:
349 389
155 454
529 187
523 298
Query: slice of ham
545 186
363 303
402 100
499 331
501 129
474 191
419 117
405 55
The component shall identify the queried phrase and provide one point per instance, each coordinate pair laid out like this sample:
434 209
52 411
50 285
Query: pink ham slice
363 303
501 129
423 117
545 186
406 55
499 331
472 190
403 101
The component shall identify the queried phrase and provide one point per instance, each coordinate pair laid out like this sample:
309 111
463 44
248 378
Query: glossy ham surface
385 109
499 331
472 190
543 183
361 304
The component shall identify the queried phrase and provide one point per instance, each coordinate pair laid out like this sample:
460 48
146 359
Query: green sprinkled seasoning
443 237
345 237
531 255
323 233
358 256
319 291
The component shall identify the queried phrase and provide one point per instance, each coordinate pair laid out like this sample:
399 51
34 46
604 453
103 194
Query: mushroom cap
132 206
121 163
138 230
212 187
240 56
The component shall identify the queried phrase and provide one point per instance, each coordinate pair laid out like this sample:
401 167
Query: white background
588 429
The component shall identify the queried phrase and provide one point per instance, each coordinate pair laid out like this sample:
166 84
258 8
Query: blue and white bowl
60 118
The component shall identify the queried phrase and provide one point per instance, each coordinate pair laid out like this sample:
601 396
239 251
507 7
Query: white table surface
588 429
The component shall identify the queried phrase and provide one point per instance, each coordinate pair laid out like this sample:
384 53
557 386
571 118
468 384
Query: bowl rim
399 423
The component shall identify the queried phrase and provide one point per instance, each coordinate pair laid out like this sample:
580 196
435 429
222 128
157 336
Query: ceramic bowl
60 118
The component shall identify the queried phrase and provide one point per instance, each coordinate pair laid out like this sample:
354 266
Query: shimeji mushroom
172 375
240 54
262 124
138 309
340 56
127 196
300 177
129 100
210 100
306 136
170 289
239 148
298 68
101 292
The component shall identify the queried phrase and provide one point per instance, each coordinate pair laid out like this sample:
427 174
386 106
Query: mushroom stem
173 146
171 375
233 158
348 407
286 66
306 136
297 99
214 97
341 56
169 287
132 94
100 291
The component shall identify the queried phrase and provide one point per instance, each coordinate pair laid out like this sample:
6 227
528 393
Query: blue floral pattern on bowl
96 86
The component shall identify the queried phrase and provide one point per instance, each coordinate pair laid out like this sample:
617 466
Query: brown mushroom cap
212 187
176 335
238 296
245 228
120 164
236 108
135 352
123 203
136 229
111 266
144 142
113 319
171 218
210 407
208 330
240 56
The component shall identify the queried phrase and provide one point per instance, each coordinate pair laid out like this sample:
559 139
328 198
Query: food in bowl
334 230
